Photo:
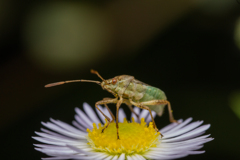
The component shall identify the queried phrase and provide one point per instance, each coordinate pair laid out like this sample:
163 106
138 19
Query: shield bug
126 89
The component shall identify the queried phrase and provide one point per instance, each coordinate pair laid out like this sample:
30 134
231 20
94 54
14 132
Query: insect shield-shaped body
130 91
135 90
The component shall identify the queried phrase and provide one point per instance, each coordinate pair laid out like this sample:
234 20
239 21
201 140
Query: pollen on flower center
134 137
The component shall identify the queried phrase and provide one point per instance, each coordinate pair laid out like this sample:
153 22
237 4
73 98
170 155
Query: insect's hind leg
105 102
158 102
140 105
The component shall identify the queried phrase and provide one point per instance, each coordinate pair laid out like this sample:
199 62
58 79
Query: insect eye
114 81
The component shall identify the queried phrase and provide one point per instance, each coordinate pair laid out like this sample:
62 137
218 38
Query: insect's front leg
118 106
105 101
158 102
113 117
142 106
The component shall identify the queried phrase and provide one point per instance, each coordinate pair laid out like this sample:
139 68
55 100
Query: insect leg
157 102
130 107
113 117
106 101
118 105
171 118
140 105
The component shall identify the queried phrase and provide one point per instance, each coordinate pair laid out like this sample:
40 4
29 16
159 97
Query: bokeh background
188 48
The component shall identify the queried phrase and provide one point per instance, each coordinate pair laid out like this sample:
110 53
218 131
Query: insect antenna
70 81
96 72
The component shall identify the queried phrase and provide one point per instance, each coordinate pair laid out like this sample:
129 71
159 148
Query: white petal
137 111
184 129
58 158
121 115
47 141
175 150
196 152
52 152
122 156
65 139
166 157
149 119
169 127
90 112
202 139
100 156
140 157
83 116
66 126
82 122
134 157
115 157
79 150
55 134
188 135
54 142
106 112
86 157
108 158
50 146
100 114
179 126
62 131
53 158
60 148
79 126
129 158
144 114
81 157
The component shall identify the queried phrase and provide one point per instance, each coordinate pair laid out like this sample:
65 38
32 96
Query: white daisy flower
138 141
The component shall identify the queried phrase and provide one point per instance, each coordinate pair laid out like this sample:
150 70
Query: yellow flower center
134 138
